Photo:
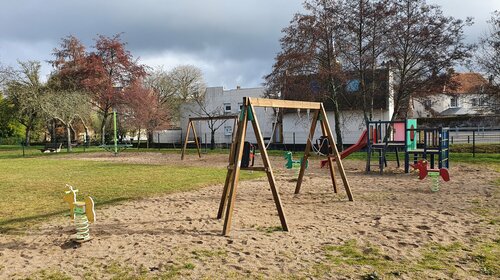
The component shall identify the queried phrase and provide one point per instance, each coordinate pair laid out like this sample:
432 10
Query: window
352 86
227 108
228 130
474 102
483 101
427 103
240 106
454 101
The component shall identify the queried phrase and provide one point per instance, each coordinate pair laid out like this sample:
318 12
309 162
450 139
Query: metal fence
475 139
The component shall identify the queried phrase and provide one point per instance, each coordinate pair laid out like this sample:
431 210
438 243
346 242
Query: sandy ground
178 236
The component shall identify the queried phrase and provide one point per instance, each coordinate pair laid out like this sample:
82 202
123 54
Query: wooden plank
288 104
340 166
234 178
223 117
268 169
230 171
330 158
196 140
190 123
306 152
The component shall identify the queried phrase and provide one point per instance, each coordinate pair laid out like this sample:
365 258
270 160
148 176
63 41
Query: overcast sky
234 42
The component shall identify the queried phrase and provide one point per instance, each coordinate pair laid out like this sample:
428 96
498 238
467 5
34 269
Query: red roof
462 83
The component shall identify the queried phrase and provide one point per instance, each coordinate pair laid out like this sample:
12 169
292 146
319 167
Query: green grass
31 189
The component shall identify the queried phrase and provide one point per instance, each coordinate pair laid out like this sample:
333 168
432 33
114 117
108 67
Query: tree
142 109
488 59
105 73
24 89
308 51
213 122
66 107
362 40
424 44
183 83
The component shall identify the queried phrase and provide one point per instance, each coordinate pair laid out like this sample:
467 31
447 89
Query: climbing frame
248 114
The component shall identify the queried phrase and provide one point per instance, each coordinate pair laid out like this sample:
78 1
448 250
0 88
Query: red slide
353 148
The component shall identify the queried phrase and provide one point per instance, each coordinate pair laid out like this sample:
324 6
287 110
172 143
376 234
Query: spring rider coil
423 168
82 212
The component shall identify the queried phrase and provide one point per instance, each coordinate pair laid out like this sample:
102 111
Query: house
465 94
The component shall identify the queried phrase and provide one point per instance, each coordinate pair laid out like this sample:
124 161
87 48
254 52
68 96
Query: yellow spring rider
82 212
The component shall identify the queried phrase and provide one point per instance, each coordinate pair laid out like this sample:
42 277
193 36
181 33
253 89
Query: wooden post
235 169
190 123
329 157
340 166
223 200
196 140
268 168
306 152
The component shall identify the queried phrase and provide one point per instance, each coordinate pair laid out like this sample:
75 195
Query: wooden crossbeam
225 117
288 104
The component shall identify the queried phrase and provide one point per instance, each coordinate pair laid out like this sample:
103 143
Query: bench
51 148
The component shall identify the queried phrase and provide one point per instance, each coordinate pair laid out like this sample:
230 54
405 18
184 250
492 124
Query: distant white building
466 97
218 101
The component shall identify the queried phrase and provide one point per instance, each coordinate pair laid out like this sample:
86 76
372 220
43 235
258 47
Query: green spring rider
293 163
82 212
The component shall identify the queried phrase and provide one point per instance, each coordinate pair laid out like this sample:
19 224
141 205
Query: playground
395 228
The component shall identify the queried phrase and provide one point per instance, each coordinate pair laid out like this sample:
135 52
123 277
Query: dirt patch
178 235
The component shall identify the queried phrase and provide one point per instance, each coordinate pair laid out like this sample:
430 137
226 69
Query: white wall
352 125
215 98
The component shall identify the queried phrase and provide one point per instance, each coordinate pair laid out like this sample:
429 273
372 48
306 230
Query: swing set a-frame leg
336 153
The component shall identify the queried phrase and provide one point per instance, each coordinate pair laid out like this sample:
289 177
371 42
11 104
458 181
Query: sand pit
394 218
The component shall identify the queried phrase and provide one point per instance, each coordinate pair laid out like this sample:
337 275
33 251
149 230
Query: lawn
31 188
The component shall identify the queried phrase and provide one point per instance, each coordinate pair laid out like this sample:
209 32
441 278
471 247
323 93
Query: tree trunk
68 137
338 131
138 138
212 139
147 139
27 136
103 128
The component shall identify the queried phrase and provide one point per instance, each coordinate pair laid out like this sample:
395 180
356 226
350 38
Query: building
296 124
218 101
465 94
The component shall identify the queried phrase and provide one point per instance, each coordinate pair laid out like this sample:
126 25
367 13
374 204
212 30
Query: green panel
411 137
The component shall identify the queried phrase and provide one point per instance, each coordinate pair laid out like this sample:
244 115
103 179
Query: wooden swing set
235 157
191 126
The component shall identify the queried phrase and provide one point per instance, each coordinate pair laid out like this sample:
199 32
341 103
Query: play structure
191 126
292 163
237 151
423 168
82 212
115 148
397 137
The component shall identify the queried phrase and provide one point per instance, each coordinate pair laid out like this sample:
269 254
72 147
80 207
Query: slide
356 147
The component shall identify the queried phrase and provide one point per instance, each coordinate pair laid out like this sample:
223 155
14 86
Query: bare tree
183 83
213 122
362 40
424 44
488 59
309 56
66 107
25 89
